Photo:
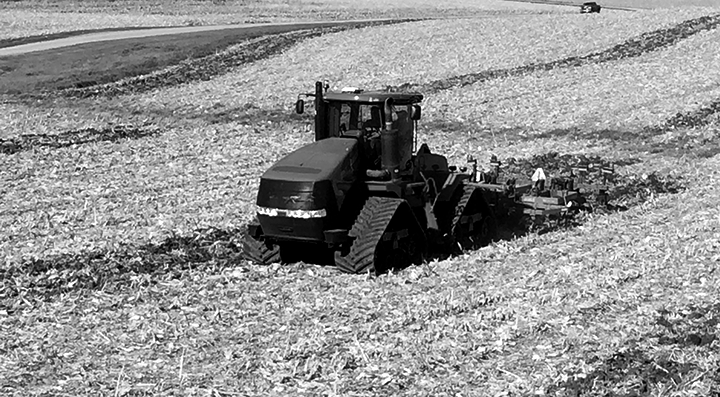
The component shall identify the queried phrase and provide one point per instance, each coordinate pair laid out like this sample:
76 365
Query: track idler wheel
258 252
473 224
386 235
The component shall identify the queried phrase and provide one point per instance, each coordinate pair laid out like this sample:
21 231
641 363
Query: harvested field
502 306
677 80
31 18
205 68
121 213
484 48
259 85
200 55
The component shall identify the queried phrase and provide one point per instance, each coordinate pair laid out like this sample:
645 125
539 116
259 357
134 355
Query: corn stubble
144 290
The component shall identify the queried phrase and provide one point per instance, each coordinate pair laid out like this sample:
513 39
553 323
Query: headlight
301 214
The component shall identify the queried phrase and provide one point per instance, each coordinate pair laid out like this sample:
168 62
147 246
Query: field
33 17
124 197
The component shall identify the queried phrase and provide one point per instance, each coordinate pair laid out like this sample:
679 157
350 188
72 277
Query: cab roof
399 98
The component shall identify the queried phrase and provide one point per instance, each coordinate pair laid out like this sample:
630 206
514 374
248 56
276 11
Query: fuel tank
300 196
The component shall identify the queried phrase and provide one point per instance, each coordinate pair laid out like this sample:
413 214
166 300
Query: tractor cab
384 122
370 112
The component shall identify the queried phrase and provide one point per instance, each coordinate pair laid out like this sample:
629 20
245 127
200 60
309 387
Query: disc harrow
583 186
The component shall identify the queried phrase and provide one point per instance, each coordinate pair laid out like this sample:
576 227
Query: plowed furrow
694 119
75 137
43 279
631 48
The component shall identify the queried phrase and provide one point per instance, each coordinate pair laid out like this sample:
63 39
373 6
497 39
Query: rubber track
257 252
463 201
368 229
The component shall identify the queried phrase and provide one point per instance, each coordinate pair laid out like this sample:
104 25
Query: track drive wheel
257 251
473 223
386 236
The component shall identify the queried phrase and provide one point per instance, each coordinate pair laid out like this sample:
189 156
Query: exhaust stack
321 129
391 158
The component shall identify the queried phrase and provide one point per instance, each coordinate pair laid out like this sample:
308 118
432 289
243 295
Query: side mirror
416 113
300 106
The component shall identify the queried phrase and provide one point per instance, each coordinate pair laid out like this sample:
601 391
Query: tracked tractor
363 196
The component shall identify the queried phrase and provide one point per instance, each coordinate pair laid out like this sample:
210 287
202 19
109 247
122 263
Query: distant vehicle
590 7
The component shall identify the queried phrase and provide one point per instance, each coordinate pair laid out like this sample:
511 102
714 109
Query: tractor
363 196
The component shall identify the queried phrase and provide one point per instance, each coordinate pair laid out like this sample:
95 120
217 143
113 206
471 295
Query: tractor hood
307 179
317 161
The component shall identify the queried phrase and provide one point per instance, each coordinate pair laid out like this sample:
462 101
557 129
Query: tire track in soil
213 249
110 133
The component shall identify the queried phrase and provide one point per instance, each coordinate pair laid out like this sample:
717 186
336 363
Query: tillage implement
364 198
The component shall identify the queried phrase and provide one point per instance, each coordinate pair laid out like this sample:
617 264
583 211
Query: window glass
345 113
366 117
